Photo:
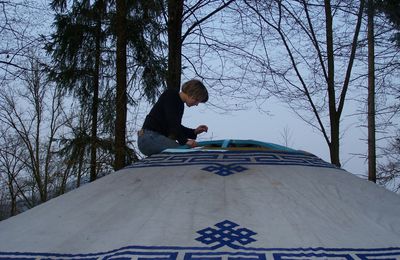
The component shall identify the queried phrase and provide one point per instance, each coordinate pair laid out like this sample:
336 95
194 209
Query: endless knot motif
224 170
226 234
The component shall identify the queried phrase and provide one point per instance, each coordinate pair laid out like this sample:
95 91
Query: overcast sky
270 127
257 125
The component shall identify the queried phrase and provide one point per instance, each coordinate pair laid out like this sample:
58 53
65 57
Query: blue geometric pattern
229 162
226 234
123 253
310 256
224 170
210 253
226 255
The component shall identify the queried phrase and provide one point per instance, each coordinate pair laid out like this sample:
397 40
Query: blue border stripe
232 158
167 252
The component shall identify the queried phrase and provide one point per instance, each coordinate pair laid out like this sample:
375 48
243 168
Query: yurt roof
236 199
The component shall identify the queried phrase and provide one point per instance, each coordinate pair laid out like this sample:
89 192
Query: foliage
145 58
246 51
391 8
389 171
72 47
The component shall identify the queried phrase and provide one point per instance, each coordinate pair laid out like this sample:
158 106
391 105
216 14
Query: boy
162 127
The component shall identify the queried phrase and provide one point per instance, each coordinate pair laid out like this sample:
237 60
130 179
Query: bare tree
300 51
388 172
371 94
34 114
379 105
21 22
12 165
185 21
286 136
308 53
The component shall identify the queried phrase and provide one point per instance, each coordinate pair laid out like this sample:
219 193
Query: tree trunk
13 195
333 115
175 12
41 181
121 97
335 142
80 165
95 104
371 95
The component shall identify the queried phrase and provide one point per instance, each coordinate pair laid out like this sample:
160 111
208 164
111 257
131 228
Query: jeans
151 142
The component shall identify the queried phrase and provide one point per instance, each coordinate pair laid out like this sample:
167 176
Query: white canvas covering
214 205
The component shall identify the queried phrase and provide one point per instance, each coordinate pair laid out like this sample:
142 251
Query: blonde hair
195 89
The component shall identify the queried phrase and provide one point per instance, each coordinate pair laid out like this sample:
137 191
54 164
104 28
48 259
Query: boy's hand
191 143
200 129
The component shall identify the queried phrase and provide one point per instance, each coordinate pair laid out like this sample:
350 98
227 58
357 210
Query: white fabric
287 206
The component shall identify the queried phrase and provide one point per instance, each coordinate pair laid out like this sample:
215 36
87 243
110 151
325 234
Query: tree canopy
108 61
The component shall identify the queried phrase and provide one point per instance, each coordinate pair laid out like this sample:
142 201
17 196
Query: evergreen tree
121 101
391 8
76 48
85 46
137 25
